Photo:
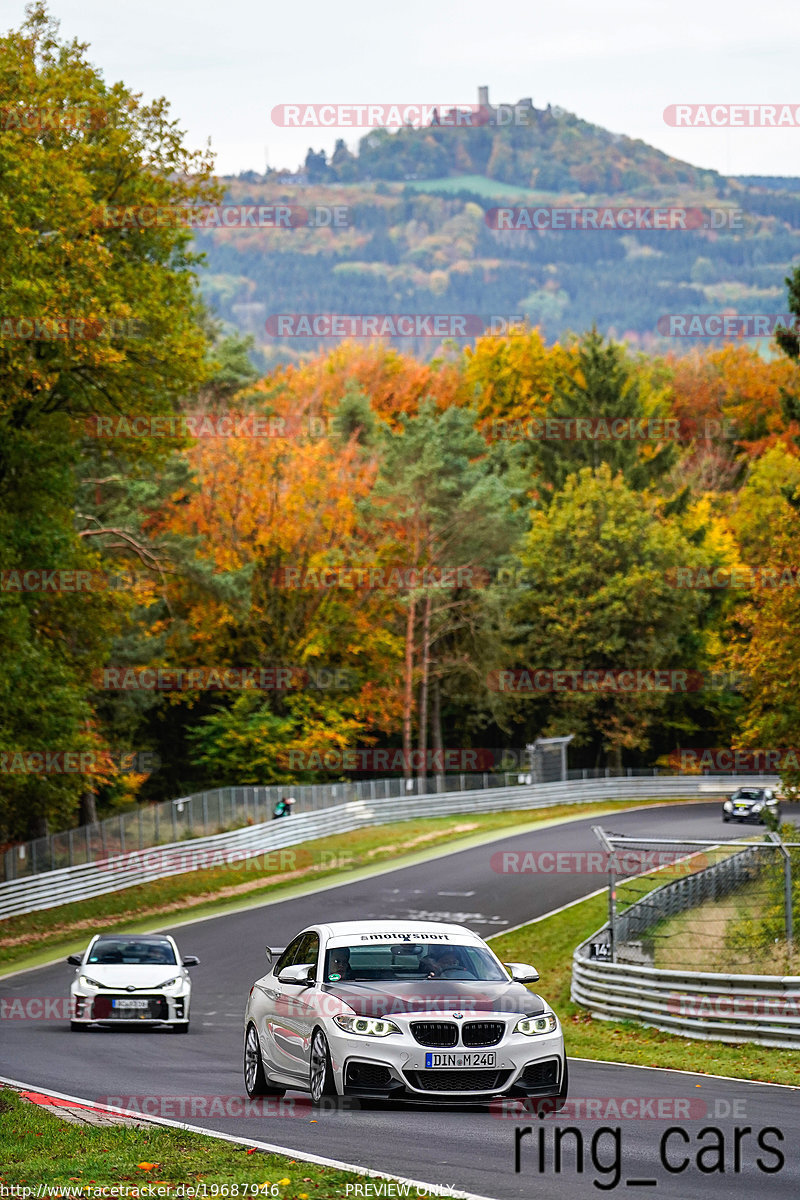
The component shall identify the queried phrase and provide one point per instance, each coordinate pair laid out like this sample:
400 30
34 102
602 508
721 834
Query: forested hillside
429 248
226 574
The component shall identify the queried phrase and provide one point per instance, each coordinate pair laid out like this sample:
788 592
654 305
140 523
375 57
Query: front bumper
395 1066
159 1008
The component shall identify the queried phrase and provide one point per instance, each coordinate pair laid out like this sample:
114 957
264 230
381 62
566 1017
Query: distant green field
491 189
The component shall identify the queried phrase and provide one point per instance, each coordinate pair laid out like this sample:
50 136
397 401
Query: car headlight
727 806
757 807
85 981
366 1026
176 980
533 1025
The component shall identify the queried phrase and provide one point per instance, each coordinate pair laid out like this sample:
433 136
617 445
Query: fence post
777 840
121 834
612 891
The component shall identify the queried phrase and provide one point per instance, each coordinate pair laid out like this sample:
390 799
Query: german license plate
124 1002
467 1060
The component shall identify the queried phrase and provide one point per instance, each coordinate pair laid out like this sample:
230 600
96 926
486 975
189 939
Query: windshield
132 951
746 794
411 961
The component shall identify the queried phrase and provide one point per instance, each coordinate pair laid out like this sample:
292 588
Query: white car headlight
365 1026
176 980
728 806
757 807
533 1025
86 982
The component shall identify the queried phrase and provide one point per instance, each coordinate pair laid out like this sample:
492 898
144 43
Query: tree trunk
436 733
88 810
408 692
422 767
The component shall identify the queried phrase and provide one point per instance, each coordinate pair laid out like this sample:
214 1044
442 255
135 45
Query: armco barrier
126 870
698 1004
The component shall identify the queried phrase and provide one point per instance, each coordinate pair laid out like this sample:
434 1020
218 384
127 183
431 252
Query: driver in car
339 964
444 962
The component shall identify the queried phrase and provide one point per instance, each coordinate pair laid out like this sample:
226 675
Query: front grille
156 1009
435 1033
482 1033
540 1074
458 1081
367 1075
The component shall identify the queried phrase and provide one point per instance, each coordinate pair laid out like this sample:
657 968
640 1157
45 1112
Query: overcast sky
224 65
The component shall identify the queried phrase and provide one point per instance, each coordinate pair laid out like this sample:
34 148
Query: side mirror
74 959
522 973
191 960
297 975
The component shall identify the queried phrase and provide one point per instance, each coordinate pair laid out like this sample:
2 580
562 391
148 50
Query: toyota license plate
124 1002
468 1060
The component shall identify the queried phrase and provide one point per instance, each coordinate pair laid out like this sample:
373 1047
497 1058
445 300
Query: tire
181 1026
78 1027
725 818
320 1072
255 1078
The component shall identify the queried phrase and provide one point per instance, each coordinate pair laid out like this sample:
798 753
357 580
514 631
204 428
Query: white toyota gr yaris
400 1009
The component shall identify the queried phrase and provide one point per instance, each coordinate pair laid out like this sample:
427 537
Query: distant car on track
400 1009
750 804
131 978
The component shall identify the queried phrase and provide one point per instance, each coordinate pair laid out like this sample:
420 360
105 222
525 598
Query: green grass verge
35 938
36 1147
549 944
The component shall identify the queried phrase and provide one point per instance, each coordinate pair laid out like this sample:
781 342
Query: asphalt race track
469 1148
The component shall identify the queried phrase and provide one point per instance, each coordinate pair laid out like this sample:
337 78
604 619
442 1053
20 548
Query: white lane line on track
430 1188
608 1062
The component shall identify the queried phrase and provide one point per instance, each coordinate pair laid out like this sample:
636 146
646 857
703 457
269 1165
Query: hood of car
122 976
432 996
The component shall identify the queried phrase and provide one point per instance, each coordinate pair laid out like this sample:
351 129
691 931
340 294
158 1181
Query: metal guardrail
117 872
710 1005
222 809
